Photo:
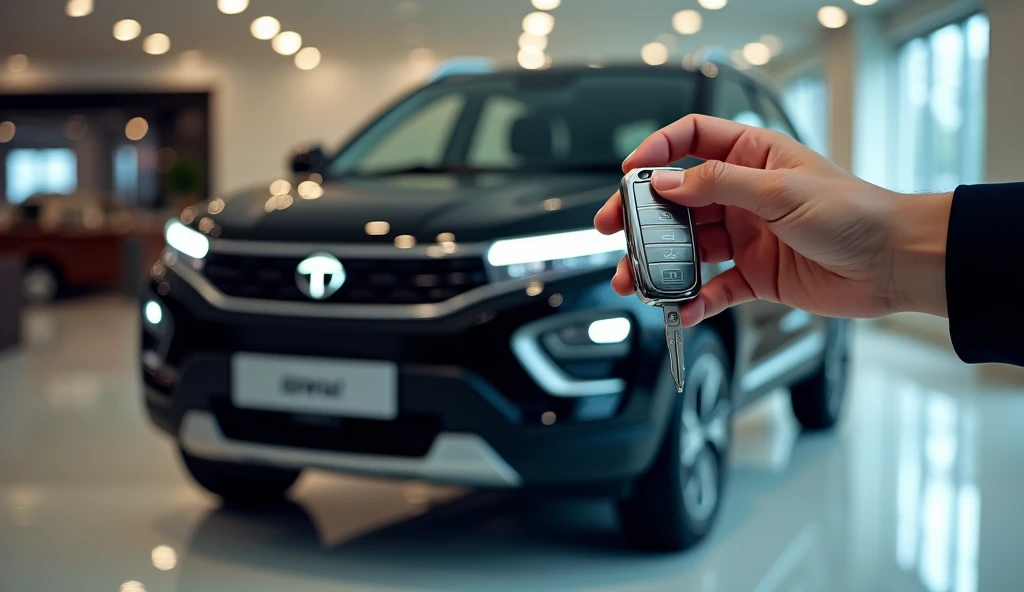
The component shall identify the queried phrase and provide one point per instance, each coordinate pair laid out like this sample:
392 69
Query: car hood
474 208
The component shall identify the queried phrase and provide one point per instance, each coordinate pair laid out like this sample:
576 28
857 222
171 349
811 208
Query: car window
490 146
732 101
774 118
419 140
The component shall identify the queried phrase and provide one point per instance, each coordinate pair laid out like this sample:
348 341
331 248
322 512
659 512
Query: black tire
241 484
674 505
41 282
818 400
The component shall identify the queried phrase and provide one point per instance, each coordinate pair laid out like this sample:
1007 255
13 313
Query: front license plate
349 388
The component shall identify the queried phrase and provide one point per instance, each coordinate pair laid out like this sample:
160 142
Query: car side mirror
309 160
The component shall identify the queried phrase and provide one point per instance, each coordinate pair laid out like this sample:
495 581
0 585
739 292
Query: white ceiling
610 30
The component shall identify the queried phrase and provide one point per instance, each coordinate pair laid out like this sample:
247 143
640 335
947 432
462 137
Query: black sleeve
985 273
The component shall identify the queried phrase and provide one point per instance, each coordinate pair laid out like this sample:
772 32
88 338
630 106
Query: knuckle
711 172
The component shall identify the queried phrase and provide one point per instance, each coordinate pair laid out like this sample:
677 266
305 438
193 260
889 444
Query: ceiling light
265 27
280 187
538 42
774 43
287 43
232 6
127 29
865 2
687 22
7 130
77 8
538 23
713 4
377 228
757 54
17 63
832 17
546 4
654 54
307 58
531 58
709 69
156 44
136 129
405 241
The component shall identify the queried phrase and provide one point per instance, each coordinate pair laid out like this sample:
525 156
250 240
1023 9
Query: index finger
704 137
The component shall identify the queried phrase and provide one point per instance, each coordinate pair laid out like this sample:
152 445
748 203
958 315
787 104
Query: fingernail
667 180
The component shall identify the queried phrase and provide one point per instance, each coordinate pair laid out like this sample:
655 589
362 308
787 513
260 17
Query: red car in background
69 243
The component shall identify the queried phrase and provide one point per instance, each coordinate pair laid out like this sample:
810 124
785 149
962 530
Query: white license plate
350 388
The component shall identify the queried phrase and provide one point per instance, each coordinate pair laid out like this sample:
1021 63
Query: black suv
432 302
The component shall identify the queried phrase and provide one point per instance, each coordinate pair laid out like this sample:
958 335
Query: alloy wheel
704 439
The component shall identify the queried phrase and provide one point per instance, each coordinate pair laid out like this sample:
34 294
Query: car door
772 340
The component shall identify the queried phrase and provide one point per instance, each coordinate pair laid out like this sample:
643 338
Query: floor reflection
92 499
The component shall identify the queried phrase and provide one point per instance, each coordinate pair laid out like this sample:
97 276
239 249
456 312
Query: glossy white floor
919 489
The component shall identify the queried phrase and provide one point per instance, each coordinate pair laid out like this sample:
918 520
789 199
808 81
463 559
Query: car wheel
40 283
241 484
674 504
818 401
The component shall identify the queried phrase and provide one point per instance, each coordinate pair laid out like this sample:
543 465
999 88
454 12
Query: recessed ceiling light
713 4
832 17
136 129
757 54
865 2
535 41
265 27
709 69
546 4
7 130
232 6
127 29
307 58
77 8
531 58
17 63
687 22
156 44
654 54
405 241
538 23
774 43
377 228
287 43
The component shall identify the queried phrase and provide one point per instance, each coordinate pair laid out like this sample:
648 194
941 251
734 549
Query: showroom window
941 107
51 170
806 100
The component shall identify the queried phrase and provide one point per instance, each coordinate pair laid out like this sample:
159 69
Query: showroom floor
918 490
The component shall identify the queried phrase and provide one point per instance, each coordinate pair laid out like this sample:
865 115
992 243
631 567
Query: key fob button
644 196
672 277
661 215
666 235
670 254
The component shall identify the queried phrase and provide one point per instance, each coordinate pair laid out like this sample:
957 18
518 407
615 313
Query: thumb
715 182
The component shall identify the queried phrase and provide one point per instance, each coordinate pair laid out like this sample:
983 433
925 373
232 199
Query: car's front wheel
241 484
674 505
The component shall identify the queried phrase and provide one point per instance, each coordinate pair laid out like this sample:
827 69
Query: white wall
260 110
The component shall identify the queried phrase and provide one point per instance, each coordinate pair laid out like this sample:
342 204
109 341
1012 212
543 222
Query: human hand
800 230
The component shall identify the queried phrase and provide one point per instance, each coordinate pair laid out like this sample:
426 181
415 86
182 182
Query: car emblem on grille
320 275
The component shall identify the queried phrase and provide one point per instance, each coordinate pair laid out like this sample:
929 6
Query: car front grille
367 281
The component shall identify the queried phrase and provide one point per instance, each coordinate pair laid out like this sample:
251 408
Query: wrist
919 262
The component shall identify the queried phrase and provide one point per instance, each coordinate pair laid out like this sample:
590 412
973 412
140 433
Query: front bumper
468 412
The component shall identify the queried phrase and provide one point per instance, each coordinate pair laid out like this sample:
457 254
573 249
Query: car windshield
587 121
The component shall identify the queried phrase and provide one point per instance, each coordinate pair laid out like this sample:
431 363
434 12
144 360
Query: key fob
661 242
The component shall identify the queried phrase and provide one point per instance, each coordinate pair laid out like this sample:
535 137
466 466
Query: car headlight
185 241
580 250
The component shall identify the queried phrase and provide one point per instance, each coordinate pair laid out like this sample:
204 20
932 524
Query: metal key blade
674 337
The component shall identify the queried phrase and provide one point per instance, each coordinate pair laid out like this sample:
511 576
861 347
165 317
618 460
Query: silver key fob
662 250
661 241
